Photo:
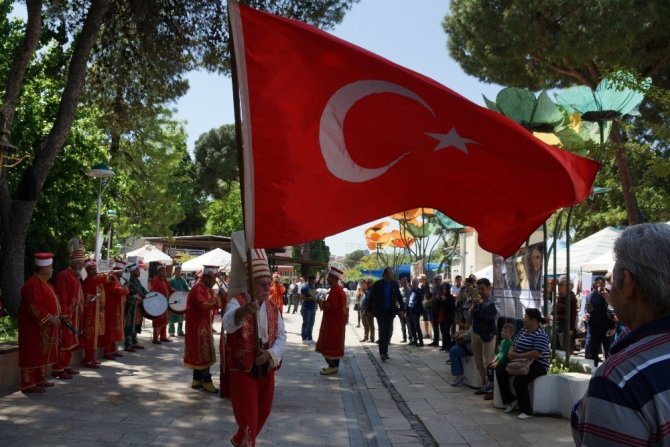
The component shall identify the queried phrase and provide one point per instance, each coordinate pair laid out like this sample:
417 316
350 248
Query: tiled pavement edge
145 399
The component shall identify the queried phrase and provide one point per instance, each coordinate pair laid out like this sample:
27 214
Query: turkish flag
335 136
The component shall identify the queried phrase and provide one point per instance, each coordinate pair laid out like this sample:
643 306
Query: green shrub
557 366
9 331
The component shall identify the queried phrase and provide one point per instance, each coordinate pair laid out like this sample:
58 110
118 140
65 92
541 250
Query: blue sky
406 32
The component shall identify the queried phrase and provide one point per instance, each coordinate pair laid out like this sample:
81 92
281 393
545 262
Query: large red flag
335 136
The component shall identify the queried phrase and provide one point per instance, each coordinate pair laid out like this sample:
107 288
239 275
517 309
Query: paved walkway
146 399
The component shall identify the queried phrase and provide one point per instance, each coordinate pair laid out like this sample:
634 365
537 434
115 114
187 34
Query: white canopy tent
215 257
486 272
602 263
586 250
149 253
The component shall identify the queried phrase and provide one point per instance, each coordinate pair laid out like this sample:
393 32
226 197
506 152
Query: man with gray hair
627 399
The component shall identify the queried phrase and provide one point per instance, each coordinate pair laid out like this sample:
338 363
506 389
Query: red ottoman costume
199 352
93 320
71 298
161 285
115 301
38 338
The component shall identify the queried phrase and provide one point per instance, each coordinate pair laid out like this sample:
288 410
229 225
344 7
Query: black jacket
376 300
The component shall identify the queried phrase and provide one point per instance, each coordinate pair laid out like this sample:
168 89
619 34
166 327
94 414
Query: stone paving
145 399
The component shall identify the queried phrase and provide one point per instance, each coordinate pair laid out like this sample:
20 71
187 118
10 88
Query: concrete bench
553 394
472 377
10 373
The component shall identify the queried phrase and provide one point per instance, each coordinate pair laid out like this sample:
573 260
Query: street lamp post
111 215
104 173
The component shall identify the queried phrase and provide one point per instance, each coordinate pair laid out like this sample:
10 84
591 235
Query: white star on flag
451 139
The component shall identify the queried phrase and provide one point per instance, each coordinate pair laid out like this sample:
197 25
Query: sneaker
488 396
458 381
510 407
305 342
136 346
524 416
196 384
484 390
328 371
311 342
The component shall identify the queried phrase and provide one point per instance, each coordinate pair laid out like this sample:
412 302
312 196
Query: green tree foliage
143 50
369 262
312 251
224 216
216 164
151 183
544 45
351 259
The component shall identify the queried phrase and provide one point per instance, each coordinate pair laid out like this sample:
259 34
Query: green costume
130 328
179 284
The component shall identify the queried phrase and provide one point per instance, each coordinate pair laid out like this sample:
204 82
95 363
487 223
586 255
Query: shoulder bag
518 366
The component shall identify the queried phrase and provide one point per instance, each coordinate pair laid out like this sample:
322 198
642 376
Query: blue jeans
455 354
308 317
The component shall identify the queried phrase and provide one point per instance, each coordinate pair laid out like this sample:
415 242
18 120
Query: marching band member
71 298
115 301
132 313
39 326
93 319
333 323
277 291
256 340
160 284
178 283
199 353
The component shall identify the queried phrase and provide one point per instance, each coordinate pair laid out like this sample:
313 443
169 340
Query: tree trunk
14 230
13 254
633 211
20 63
305 253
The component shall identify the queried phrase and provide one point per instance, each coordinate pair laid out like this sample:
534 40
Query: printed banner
517 281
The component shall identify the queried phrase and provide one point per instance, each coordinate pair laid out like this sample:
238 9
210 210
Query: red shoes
63 375
34 389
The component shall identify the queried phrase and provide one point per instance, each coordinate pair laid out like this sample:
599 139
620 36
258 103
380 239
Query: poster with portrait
517 281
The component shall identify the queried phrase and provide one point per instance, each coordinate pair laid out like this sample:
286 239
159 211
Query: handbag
356 306
518 366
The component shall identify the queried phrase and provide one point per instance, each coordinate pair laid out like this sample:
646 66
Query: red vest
242 342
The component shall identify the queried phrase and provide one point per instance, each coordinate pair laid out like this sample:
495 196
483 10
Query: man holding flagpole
256 343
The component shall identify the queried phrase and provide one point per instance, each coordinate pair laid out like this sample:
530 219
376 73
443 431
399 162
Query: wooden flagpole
240 162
